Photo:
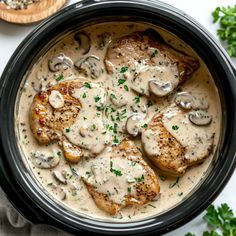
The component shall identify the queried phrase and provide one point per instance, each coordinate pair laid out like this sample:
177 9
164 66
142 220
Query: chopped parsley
84 95
60 77
137 99
115 140
94 127
67 130
96 98
87 85
175 127
121 81
139 179
145 126
113 96
151 205
115 128
129 189
115 171
99 108
126 88
124 69
175 183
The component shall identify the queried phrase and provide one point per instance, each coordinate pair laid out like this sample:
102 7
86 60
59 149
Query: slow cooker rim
71 7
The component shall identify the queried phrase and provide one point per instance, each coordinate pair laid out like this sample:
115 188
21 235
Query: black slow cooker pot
21 188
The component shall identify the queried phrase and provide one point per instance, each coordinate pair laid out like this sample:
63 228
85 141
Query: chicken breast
52 112
146 57
173 143
120 177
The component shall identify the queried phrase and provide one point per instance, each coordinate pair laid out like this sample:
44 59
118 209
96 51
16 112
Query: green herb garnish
115 140
124 69
151 205
137 99
96 98
84 95
113 96
139 179
129 189
121 81
227 31
126 88
115 171
175 183
60 77
221 220
175 127
87 85
67 130
145 126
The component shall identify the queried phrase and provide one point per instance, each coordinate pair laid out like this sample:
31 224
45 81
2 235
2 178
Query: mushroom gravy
114 107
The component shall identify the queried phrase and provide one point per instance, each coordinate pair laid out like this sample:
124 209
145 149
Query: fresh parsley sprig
227 31
221 220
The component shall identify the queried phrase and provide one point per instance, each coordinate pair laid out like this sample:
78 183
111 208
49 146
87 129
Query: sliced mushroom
84 42
134 124
160 89
200 118
185 100
59 177
56 99
45 162
89 66
59 62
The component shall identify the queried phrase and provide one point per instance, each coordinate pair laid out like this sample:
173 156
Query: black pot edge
179 222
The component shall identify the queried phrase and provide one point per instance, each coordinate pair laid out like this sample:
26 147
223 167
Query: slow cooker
20 186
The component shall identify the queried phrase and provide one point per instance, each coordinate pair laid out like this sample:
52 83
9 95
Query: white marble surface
11 35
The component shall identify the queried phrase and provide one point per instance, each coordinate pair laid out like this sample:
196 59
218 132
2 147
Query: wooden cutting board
35 12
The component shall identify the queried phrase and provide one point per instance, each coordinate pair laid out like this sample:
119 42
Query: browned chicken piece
132 182
51 112
167 153
130 50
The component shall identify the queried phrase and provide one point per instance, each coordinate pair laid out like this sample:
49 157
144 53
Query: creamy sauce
89 130
106 105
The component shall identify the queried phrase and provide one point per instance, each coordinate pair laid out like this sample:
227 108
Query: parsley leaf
96 98
87 85
227 31
121 81
175 127
139 179
60 77
115 171
221 220
126 88
124 69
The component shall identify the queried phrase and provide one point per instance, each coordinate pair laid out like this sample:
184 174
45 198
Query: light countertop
11 35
